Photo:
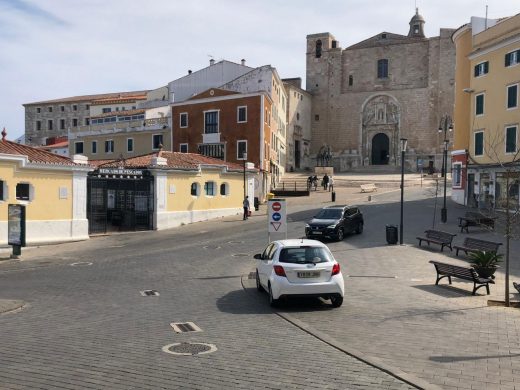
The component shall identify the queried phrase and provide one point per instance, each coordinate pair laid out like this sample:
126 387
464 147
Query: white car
299 268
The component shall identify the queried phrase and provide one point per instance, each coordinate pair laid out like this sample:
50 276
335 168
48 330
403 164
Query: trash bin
391 234
257 203
333 195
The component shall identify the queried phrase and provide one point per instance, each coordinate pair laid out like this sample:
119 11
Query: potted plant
485 263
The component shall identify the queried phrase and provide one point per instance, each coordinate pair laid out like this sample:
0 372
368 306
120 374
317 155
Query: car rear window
329 214
303 255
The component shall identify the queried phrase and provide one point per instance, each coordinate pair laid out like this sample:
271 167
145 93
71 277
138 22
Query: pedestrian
315 182
325 182
331 184
309 183
246 207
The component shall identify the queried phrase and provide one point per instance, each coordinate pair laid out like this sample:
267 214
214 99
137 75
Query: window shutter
508 59
475 73
486 67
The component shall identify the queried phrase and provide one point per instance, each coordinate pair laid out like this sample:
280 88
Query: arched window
224 189
382 69
318 48
350 80
195 189
209 188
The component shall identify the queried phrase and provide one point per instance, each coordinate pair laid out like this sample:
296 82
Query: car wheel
273 302
258 285
359 229
341 234
336 300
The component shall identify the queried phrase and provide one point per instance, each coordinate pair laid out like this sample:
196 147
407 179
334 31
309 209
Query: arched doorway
380 149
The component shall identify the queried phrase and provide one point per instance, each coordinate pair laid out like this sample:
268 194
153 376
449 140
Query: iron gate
119 204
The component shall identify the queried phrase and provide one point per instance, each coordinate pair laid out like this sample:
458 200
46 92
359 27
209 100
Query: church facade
368 96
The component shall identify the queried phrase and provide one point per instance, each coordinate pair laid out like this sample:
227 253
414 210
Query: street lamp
244 157
404 142
445 125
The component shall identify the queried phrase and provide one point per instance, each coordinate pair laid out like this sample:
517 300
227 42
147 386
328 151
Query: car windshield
329 214
304 255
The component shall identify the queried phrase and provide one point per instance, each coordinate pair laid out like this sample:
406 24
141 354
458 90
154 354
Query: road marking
81 263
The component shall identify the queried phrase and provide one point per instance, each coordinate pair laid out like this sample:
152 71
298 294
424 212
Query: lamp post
404 142
445 125
244 158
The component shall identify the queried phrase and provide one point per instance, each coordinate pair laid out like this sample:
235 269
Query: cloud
33 10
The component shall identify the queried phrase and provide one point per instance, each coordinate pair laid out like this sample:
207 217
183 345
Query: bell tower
417 26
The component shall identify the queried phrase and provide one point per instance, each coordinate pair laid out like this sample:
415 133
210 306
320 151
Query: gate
119 204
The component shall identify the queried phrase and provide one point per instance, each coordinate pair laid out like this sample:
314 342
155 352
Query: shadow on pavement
448 291
450 359
243 301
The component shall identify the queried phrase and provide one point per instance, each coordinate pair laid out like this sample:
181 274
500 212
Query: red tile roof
175 160
88 98
62 144
35 155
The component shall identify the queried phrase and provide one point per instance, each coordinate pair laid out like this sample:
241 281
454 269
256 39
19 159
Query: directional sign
277 216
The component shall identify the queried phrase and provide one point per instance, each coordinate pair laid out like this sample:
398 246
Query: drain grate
184 327
189 349
240 255
150 293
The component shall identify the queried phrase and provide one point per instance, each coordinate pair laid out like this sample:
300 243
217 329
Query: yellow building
53 189
163 190
487 112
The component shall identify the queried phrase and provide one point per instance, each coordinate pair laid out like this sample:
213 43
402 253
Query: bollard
333 195
369 198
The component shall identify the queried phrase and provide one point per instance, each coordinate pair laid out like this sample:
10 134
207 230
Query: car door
350 220
265 265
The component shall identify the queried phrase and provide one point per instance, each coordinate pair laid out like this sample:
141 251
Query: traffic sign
277 216
276 206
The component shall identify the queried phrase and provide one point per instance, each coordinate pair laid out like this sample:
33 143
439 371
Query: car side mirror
258 256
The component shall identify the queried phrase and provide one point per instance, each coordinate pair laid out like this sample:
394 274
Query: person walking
246 207
315 182
331 184
325 182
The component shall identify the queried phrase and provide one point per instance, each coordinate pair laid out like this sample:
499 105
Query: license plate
309 274
316 232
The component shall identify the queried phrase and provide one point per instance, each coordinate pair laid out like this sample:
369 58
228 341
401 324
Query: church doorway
380 149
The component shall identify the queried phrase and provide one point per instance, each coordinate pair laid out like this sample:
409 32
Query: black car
334 222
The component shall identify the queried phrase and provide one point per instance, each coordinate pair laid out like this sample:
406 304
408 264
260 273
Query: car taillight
278 270
335 269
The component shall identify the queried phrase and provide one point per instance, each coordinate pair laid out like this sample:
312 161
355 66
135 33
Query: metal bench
445 270
475 219
368 187
474 245
437 237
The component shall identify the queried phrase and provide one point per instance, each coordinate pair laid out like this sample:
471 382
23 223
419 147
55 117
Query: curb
371 361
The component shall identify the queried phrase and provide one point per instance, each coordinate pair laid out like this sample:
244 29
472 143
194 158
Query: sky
52 49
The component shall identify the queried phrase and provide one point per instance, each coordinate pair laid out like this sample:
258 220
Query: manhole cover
81 264
212 247
189 349
240 255
150 293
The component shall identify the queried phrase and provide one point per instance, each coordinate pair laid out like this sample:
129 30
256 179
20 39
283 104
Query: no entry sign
277 216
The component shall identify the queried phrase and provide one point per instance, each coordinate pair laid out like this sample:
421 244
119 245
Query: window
93 147
457 175
242 114
297 116
183 148
62 124
350 80
511 139
479 143
195 189
481 69
183 120
382 69
212 150
316 117
109 146
512 96
479 104
107 109
78 147
129 144
49 124
211 122
38 110
241 149
74 107
75 122
87 121
224 189
512 58
209 188
22 191
62 108
157 141
38 125
87 106
318 48
49 109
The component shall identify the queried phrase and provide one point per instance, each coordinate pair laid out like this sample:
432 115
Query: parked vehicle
334 222
299 268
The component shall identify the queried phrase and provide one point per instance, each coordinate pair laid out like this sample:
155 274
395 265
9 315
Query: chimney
243 62
189 71
80 159
159 161
211 62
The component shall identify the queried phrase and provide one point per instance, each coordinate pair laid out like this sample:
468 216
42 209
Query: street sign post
276 217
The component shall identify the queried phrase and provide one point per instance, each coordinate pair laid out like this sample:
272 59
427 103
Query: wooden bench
475 245
368 187
445 270
437 237
475 219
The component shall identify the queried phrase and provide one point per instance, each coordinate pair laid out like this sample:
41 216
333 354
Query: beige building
52 188
370 94
487 112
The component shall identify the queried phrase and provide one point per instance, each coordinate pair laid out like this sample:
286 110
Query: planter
485 272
